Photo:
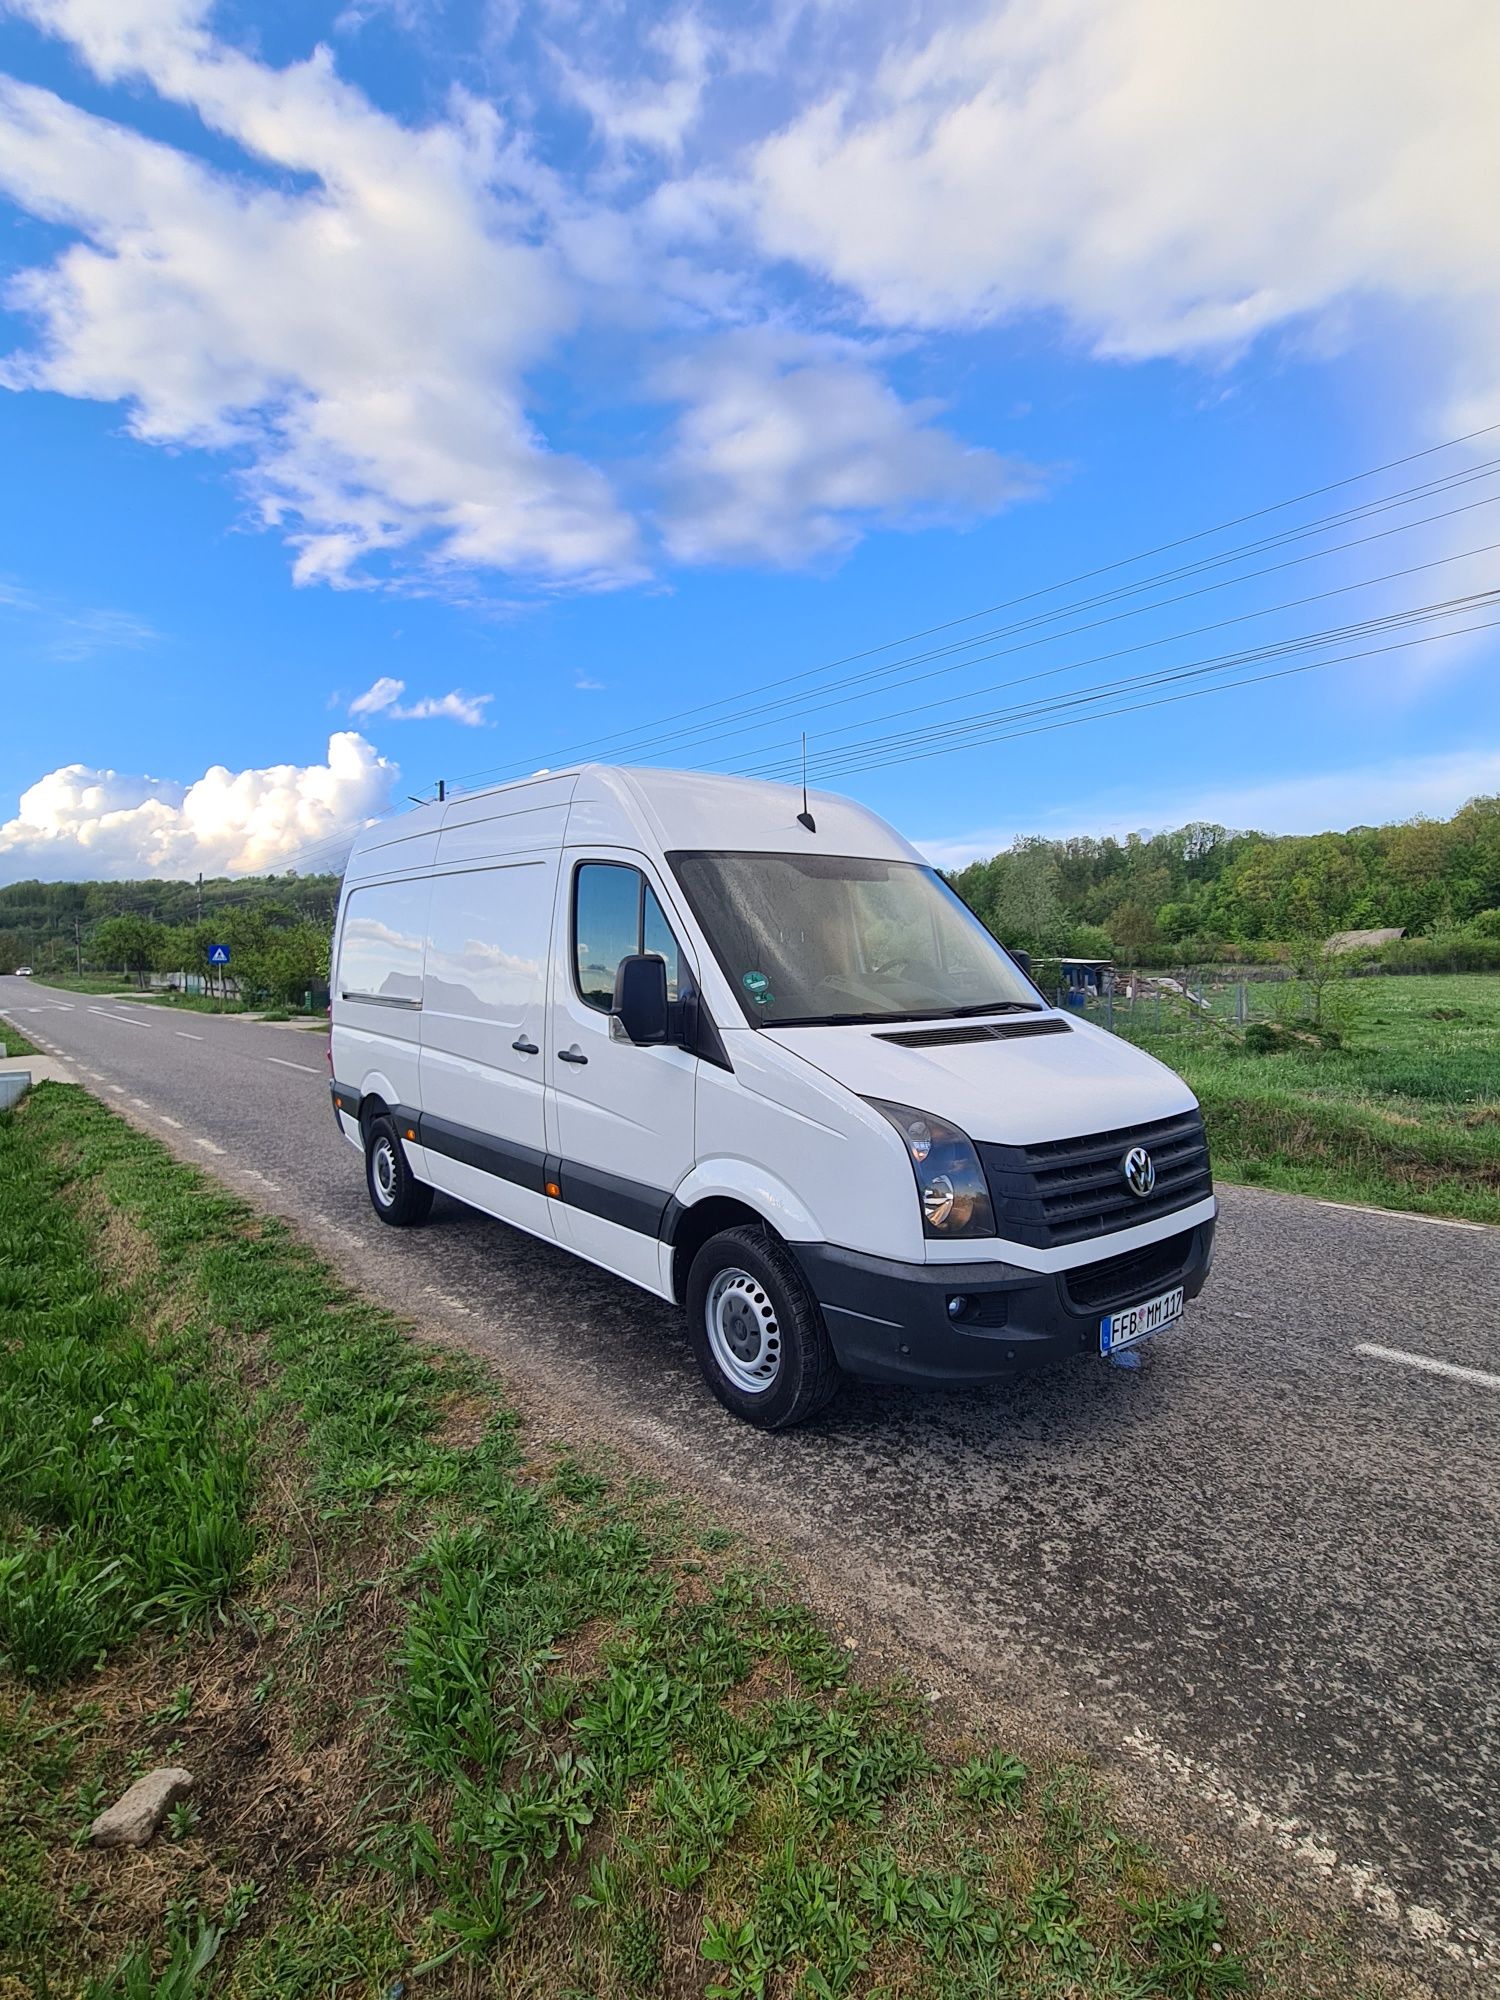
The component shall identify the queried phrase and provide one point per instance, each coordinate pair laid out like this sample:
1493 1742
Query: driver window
615 913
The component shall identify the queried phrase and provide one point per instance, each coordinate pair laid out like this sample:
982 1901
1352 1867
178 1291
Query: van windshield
816 939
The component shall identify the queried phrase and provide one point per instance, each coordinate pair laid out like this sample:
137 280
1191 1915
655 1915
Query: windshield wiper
906 1014
1001 1007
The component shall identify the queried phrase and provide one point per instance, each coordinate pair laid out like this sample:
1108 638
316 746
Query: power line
1143 645
1122 652
983 724
997 734
635 732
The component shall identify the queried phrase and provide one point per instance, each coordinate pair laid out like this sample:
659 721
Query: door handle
571 1055
524 1048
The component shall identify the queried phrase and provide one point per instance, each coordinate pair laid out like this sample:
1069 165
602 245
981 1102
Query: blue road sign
218 954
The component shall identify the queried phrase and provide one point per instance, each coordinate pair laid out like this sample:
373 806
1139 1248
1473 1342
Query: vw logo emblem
1139 1171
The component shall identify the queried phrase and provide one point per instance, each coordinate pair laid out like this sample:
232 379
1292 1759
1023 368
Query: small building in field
1091 976
1364 940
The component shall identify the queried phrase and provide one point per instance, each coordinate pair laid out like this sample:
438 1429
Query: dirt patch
122 1247
464 1422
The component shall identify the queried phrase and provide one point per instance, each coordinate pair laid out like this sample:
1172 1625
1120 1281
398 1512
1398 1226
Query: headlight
950 1181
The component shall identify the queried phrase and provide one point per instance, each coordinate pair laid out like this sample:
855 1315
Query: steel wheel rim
383 1172
744 1334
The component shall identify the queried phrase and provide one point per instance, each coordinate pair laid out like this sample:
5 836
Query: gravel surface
1260 1575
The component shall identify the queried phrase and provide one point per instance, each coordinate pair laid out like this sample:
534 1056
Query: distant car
23 972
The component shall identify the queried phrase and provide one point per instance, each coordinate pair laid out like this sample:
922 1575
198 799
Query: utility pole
200 895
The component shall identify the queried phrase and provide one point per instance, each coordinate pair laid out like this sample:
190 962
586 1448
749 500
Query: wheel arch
726 1194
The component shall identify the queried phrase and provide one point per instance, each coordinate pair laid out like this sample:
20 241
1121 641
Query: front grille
1069 1190
976 1031
1116 1281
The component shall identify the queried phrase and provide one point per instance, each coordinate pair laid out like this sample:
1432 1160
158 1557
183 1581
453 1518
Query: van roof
616 805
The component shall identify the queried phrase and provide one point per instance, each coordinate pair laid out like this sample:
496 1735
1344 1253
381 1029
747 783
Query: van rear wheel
396 1195
757 1331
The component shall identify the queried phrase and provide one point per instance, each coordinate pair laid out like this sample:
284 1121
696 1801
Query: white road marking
175 1123
1402 1215
186 1036
140 1103
1428 1364
282 1063
123 1019
207 1145
118 1089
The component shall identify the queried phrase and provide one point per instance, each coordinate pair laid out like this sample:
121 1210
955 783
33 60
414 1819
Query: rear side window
487 941
615 915
380 952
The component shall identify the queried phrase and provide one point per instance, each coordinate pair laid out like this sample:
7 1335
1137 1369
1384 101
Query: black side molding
524 1166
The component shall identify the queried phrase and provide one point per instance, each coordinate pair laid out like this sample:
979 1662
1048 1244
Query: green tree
128 941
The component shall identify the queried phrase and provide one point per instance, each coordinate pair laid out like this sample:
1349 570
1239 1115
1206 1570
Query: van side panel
484 1035
377 995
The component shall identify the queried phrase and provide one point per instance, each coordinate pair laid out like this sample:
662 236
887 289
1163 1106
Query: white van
762 1061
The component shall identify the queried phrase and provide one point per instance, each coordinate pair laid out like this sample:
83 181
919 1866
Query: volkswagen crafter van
765 1063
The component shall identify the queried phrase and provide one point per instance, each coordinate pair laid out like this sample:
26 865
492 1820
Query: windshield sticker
758 987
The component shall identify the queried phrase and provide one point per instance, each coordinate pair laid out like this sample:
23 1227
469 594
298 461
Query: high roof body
613 805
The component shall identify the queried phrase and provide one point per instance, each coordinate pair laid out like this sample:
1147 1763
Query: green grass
1403 1113
467 1715
13 1042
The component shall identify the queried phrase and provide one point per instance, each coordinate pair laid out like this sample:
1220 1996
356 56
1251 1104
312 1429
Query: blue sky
396 390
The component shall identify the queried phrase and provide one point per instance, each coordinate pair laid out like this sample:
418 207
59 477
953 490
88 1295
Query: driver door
622 1116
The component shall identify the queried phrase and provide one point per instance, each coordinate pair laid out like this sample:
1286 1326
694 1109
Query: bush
1444 951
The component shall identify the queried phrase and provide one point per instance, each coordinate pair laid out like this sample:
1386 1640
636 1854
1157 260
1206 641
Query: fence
1186 1002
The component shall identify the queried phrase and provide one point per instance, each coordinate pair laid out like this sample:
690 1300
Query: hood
1015 1093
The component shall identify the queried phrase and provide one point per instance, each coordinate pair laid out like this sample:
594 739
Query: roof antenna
805 818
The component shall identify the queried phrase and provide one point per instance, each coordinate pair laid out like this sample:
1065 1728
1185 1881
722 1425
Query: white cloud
79 822
1366 795
653 113
1173 180
352 307
354 329
788 446
382 694
383 697
454 707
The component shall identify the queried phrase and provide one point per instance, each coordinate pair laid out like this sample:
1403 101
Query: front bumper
889 1321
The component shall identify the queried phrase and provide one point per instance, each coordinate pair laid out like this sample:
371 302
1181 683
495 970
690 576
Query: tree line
1202 892
277 929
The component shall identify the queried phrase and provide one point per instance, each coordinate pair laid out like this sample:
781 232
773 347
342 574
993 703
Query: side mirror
1023 959
640 1004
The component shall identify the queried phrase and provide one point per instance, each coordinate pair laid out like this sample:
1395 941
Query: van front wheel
757 1331
396 1195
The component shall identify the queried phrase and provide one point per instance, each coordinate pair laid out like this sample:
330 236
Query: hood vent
976 1031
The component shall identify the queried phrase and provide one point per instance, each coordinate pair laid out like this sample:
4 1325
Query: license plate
1135 1322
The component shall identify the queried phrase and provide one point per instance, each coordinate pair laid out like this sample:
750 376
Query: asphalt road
1261 1575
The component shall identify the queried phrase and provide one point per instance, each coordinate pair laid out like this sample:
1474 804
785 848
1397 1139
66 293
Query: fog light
957 1306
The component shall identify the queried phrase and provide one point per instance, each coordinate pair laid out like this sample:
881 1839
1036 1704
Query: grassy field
466 1717
1404 1112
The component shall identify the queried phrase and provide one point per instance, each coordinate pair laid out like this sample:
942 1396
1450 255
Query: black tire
396 1195
747 1283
